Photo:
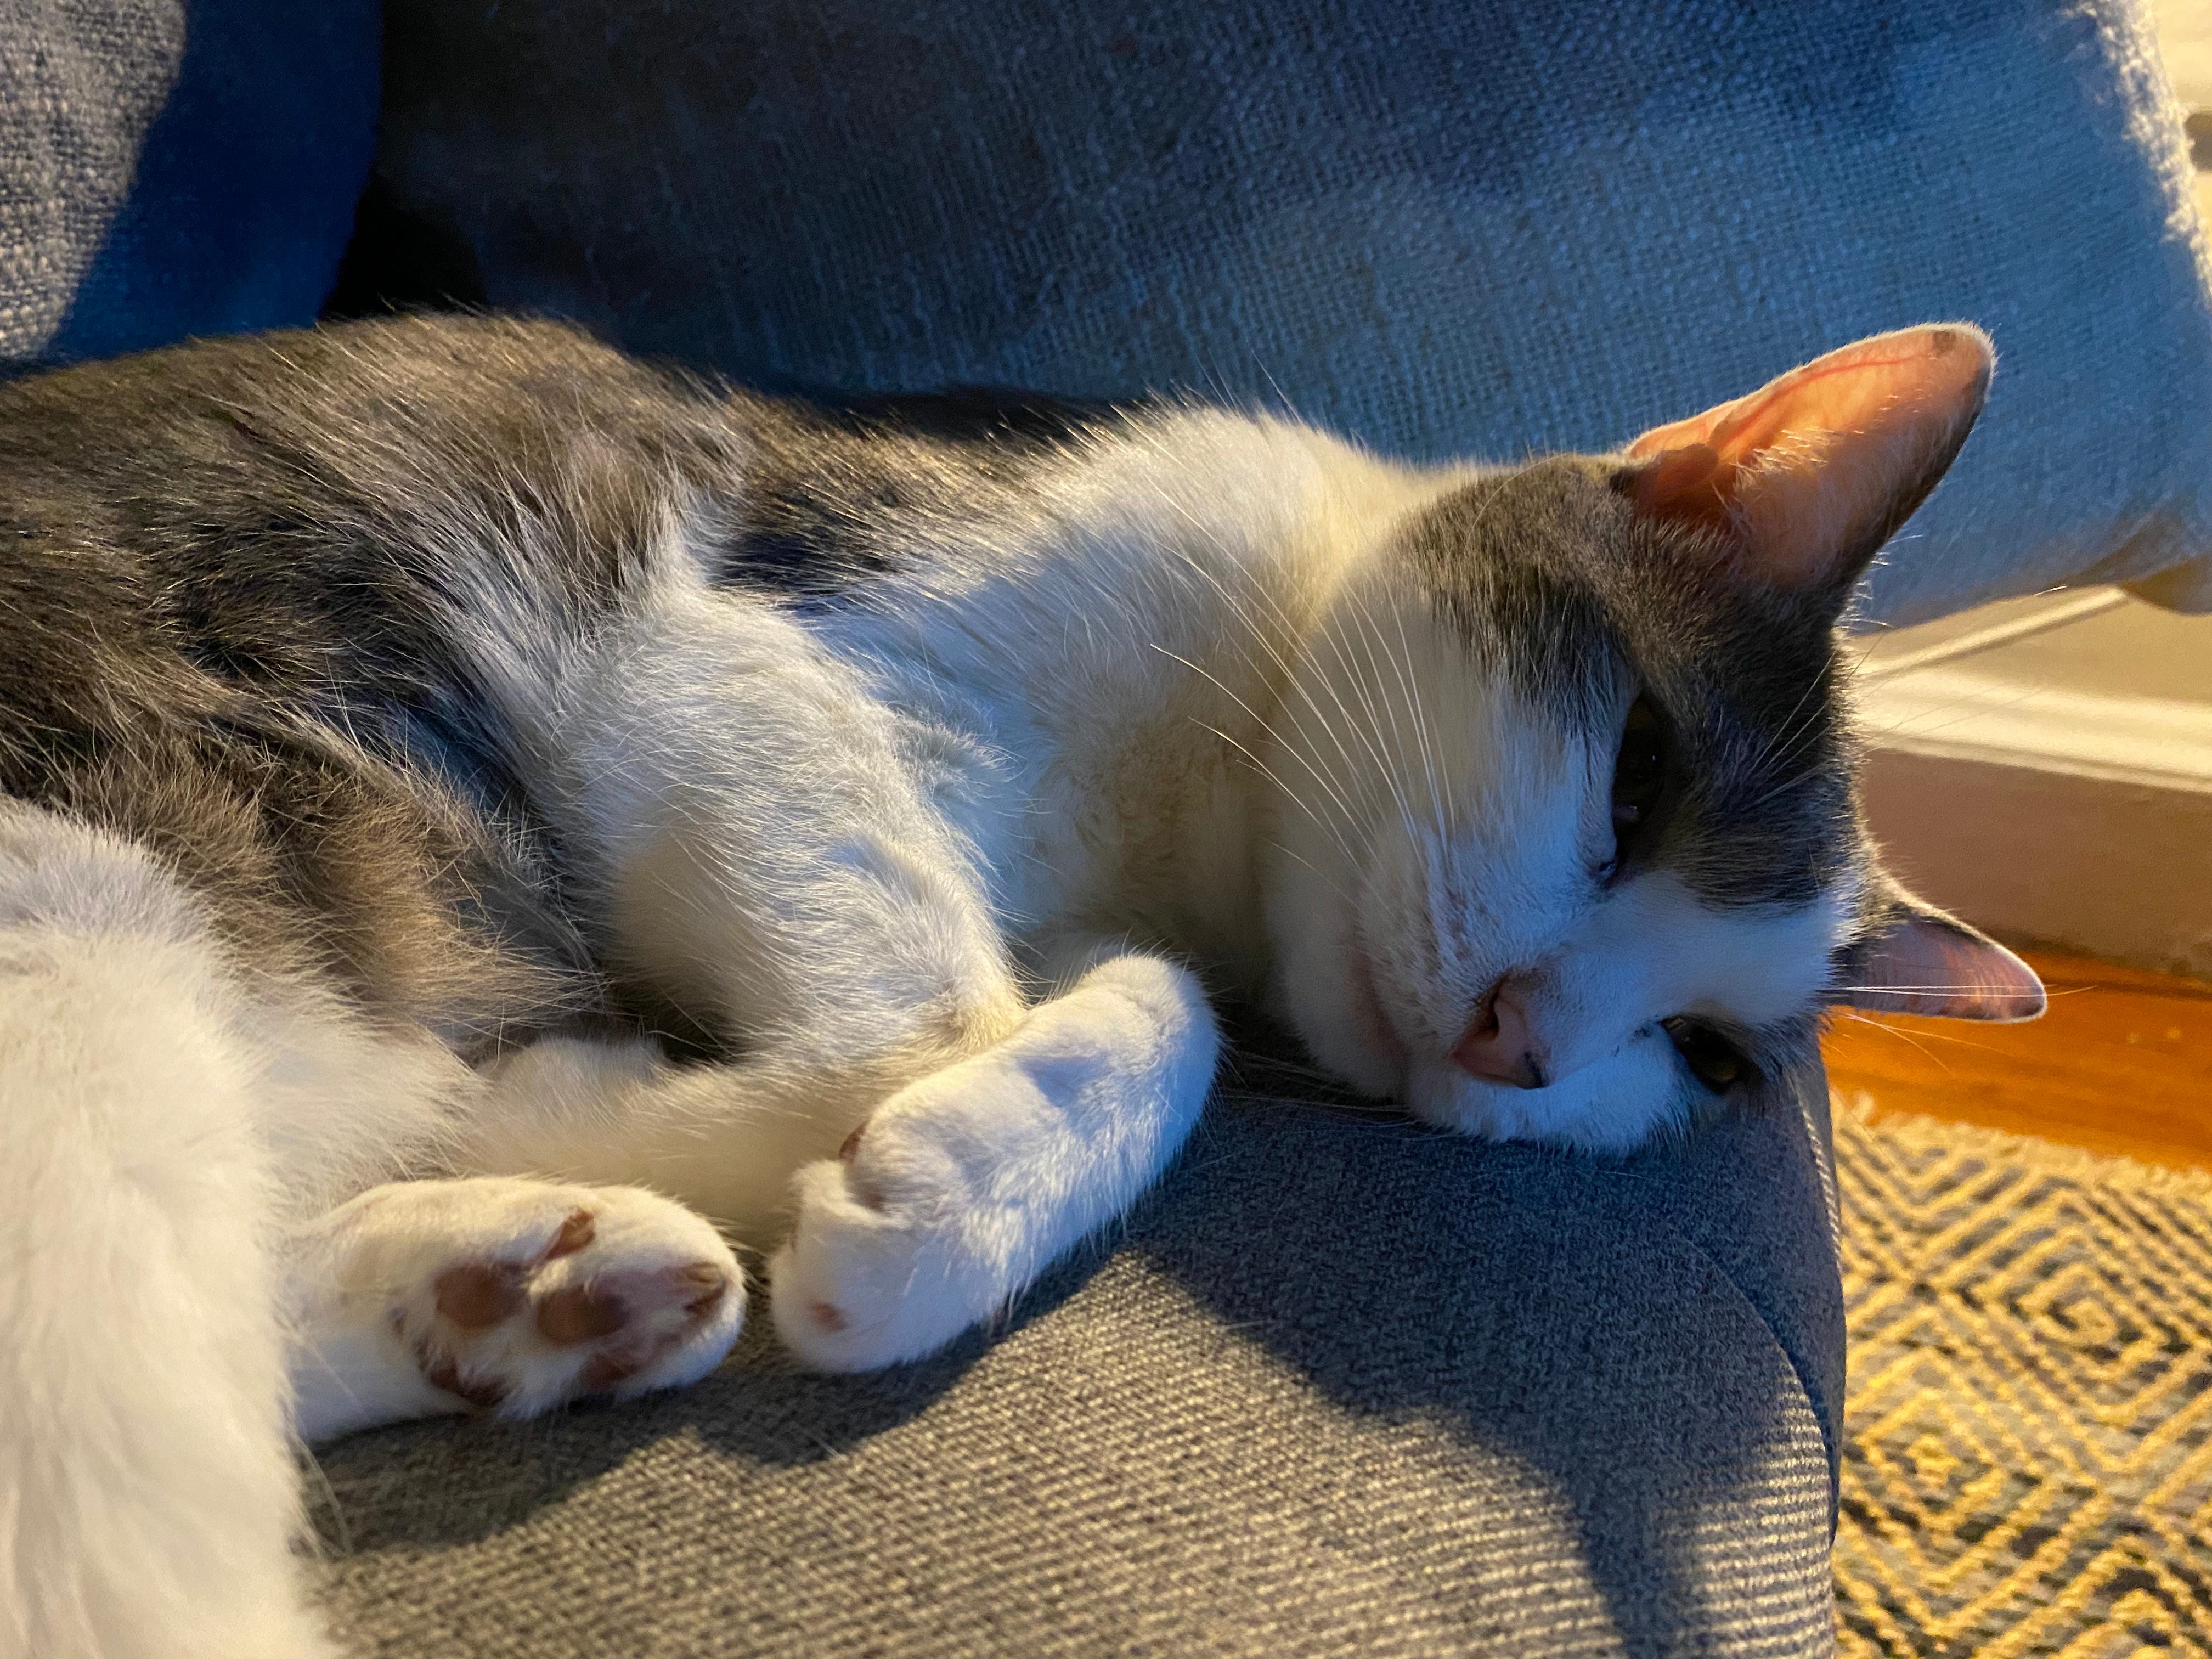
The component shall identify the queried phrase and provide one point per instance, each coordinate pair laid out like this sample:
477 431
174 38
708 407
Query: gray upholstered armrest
1345 1386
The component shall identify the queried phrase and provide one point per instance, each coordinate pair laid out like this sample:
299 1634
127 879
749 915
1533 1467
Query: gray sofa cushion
1342 1387
170 169
1449 227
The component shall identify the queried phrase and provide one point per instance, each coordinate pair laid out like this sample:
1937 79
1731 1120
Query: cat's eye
1639 776
1712 1059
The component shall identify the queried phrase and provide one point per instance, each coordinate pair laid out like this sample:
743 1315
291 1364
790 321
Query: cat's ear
1915 959
1808 476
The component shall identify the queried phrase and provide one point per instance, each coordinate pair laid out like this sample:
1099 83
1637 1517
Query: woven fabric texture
1342 1387
170 169
1447 226
76 100
2028 1465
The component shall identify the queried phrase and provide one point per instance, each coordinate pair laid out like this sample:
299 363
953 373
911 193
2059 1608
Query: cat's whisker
1928 990
1269 772
1432 759
1775 792
1368 730
1912 1037
1328 881
1967 708
1784 732
1243 1060
1310 751
1333 729
1307 753
1369 687
1786 745
1247 750
1369 627
1291 627
1923 1033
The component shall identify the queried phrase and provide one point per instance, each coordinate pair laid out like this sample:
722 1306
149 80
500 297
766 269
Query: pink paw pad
568 1319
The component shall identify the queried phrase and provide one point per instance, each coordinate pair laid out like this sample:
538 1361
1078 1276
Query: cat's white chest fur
1116 675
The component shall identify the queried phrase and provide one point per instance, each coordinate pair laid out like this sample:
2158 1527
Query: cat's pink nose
1498 1046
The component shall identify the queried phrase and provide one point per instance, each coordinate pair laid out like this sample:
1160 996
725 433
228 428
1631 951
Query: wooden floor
2122 1063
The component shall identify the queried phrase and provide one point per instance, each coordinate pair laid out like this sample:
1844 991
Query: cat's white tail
147 1492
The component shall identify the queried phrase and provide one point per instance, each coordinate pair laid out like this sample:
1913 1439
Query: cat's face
1569 846
1588 804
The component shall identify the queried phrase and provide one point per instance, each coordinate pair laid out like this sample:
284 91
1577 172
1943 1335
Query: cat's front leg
963 1186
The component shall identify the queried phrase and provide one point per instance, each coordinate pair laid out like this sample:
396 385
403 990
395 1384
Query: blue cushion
169 170
1448 227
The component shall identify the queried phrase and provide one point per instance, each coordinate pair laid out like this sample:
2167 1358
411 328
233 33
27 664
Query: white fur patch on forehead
1412 700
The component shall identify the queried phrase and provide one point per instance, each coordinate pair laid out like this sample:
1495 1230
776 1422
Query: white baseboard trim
1967 715
2065 817
1992 626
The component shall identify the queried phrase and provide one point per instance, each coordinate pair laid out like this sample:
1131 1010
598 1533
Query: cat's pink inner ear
1931 965
1808 476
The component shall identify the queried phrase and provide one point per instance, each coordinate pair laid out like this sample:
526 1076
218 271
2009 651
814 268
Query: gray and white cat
401 724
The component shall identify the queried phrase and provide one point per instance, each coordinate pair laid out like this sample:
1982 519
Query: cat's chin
1327 994
1446 1097
1582 1113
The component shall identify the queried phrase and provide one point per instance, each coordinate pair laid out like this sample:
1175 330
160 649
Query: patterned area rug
2028 1463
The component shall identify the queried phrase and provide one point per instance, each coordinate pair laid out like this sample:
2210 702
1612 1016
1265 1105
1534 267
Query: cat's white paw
515 1295
892 1253
963 1186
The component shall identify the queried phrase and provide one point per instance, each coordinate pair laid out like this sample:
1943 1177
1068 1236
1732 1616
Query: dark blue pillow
173 168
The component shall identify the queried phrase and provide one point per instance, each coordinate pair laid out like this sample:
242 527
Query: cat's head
1570 846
